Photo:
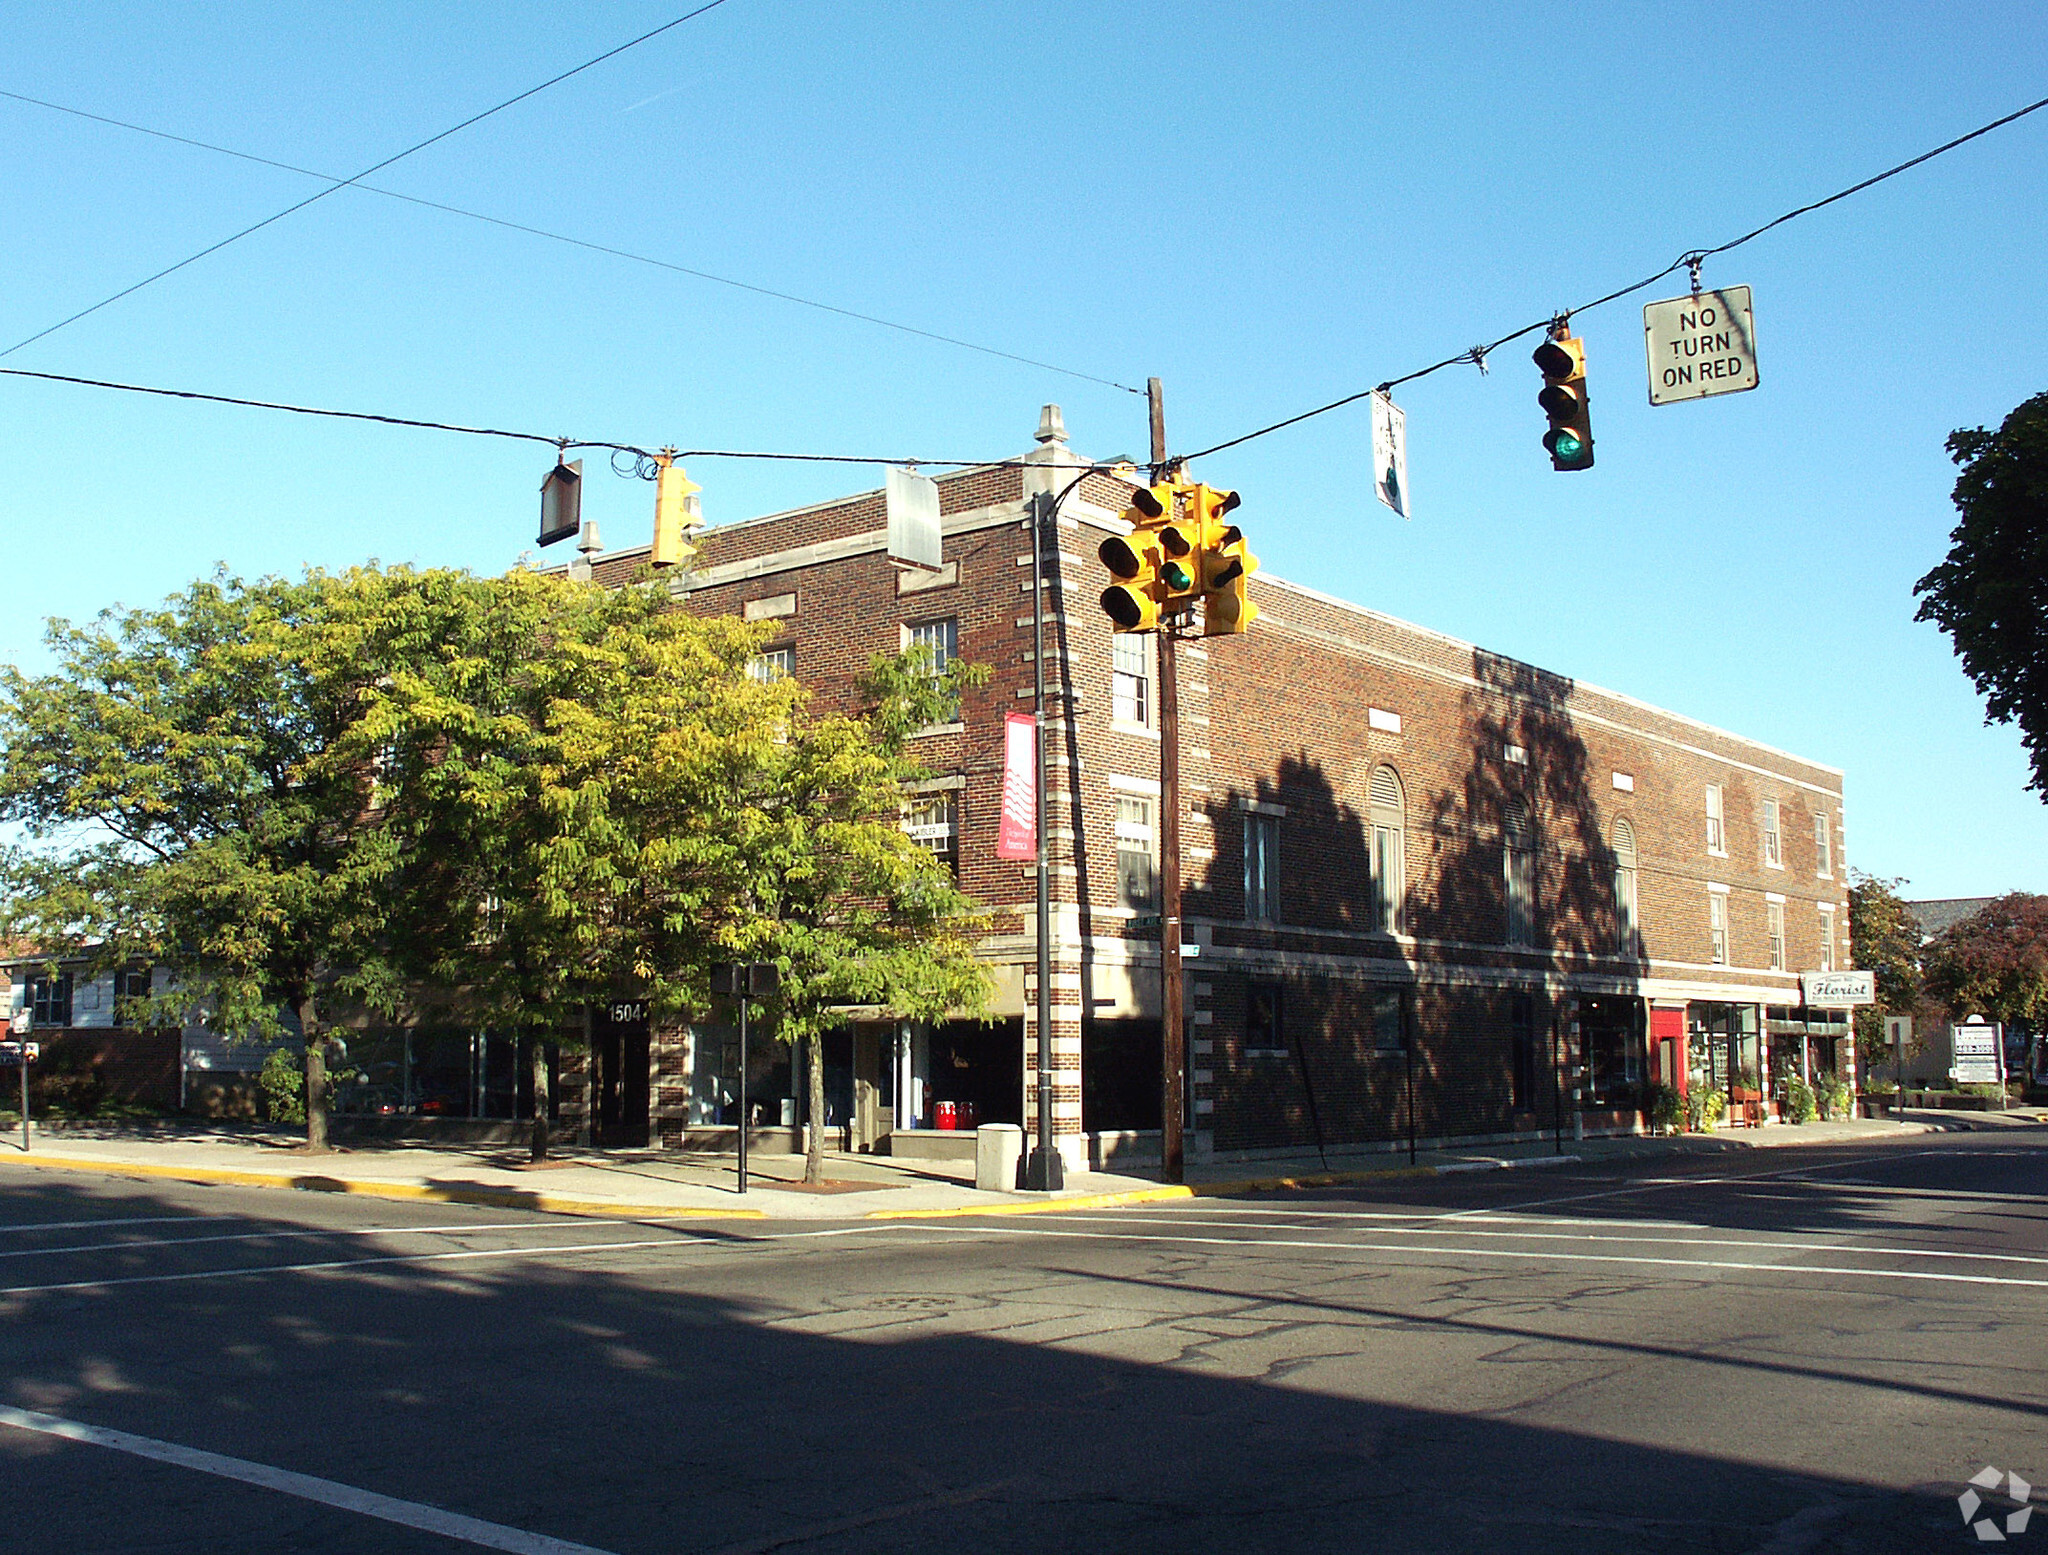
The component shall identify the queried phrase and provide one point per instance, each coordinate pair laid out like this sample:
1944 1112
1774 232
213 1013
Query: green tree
1994 962
187 777
1885 941
1991 594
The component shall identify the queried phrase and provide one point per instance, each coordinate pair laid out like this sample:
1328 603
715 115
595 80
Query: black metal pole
1408 1063
740 978
1045 1171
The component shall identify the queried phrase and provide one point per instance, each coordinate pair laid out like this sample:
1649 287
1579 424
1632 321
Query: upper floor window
1823 844
1774 921
49 999
1261 867
933 822
1717 830
773 663
1624 888
1137 866
1827 938
1518 864
1774 846
1717 926
1389 855
940 641
1130 679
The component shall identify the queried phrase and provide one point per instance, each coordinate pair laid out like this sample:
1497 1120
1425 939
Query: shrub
1837 1101
1704 1107
284 1086
1801 1105
1667 1108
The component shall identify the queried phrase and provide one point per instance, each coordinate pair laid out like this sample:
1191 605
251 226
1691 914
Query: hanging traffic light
1137 562
676 513
1562 361
1226 565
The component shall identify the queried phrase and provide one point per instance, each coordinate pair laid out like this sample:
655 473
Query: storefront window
436 1073
1610 1036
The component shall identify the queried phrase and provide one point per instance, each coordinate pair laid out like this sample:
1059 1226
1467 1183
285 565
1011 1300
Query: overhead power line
1476 355
562 237
375 167
562 443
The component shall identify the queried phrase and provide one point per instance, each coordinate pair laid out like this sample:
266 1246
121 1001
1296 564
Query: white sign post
1700 345
1390 453
1977 1053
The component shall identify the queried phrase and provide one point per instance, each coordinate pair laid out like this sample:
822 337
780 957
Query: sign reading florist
1700 345
1837 990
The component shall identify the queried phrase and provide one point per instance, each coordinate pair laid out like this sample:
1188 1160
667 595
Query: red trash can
948 1116
965 1114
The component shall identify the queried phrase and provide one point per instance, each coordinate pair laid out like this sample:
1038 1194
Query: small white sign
1390 453
1898 1031
1700 345
912 503
1977 1053
1837 990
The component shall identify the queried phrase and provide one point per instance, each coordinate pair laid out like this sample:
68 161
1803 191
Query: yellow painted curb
1039 1206
309 1182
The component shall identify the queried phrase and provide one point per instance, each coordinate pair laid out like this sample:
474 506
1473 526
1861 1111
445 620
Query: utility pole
1044 1170
1172 1031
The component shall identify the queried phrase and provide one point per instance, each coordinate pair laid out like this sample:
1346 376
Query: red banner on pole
1017 835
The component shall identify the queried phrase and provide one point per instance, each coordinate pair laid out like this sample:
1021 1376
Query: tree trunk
539 1151
814 1103
316 1075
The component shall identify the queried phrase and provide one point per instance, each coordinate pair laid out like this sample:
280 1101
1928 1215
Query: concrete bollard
998 1156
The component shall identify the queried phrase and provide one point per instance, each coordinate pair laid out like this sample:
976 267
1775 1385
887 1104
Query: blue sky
1266 207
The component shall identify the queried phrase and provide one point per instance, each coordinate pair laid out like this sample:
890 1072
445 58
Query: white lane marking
1504 1252
327 1266
126 1220
1593 1236
305 1231
307 1487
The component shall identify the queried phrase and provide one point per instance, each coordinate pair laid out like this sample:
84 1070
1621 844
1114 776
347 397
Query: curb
308 1182
1376 1174
1041 1206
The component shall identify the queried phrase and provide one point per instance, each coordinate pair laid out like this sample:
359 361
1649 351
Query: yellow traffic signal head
1227 567
1569 441
675 515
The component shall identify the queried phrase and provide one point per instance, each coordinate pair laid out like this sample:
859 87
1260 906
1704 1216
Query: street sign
1898 1030
1700 345
1390 453
1837 990
1977 1053
1146 920
911 502
11 1053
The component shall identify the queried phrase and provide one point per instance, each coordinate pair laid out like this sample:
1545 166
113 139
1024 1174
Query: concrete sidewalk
663 1185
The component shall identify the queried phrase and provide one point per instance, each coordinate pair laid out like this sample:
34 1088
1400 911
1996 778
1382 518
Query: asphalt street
1790 1350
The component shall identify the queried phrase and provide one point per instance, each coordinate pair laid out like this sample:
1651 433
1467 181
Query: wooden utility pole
1172 1027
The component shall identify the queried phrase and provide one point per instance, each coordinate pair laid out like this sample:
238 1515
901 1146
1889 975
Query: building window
1137 868
1774 847
1823 845
941 642
772 663
1717 831
131 988
1261 867
1827 939
933 822
1774 920
49 999
1389 856
1263 1032
1522 1024
1390 1019
1518 852
1717 925
1130 679
1625 941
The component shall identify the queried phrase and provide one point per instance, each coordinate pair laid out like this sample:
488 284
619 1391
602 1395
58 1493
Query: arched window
1388 826
1518 865
1626 942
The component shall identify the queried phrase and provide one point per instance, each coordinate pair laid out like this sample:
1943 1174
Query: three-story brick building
1434 892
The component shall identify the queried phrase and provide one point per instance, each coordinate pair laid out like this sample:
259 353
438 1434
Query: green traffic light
1567 446
1177 577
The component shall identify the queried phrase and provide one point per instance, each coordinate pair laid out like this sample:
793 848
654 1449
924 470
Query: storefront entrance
1725 1052
618 1076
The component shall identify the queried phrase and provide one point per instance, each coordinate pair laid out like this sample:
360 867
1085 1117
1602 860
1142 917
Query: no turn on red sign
1700 345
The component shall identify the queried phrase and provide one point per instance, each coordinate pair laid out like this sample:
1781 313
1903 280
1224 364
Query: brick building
1436 892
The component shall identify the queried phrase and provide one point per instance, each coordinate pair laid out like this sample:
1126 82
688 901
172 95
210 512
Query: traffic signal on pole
676 514
1135 562
1562 360
1226 566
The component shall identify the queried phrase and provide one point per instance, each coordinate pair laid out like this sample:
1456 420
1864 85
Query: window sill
1265 1052
1769 865
1141 731
956 727
1717 853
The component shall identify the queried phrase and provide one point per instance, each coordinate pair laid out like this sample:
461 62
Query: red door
1667 1042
